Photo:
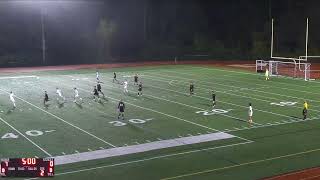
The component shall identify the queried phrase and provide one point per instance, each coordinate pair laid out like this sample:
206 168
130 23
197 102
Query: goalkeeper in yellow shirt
305 110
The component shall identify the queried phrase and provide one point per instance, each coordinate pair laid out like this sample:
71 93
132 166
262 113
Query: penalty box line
90 134
190 122
35 144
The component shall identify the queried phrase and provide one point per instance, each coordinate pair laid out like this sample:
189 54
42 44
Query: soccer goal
295 69
286 66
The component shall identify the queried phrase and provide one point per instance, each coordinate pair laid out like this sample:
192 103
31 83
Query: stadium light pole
307 38
43 37
271 49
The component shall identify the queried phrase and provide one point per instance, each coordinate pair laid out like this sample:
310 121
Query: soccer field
166 133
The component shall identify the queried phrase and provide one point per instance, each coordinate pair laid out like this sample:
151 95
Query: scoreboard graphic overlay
27 167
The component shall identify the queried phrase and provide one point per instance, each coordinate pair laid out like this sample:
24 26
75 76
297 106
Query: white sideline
25 137
120 151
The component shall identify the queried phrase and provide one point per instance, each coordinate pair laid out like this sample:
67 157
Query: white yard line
200 125
194 107
219 100
273 124
250 89
254 83
139 148
265 92
35 144
224 70
90 134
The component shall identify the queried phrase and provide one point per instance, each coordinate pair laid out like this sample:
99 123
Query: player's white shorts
250 113
12 100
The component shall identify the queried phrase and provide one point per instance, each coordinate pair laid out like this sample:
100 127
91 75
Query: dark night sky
153 29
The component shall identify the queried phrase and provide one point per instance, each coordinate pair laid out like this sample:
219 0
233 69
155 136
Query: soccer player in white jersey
125 86
58 91
97 76
76 95
12 99
250 113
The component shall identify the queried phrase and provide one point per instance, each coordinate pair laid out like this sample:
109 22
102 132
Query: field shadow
100 102
60 105
46 106
79 105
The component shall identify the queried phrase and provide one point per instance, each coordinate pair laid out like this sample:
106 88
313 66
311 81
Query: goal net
295 69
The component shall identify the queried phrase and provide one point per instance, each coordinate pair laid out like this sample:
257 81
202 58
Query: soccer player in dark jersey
121 108
213 99
135 79
46 97
140 89
191 88
99 89
114 77
95 93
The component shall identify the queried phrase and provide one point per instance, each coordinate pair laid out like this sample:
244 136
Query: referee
305 110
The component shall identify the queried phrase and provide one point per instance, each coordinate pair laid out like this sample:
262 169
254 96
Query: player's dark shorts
96 94
140 89
136 80
46 99
191 89
304 112
99 90
121 110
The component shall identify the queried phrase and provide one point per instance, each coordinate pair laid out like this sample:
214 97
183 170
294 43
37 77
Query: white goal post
294 69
